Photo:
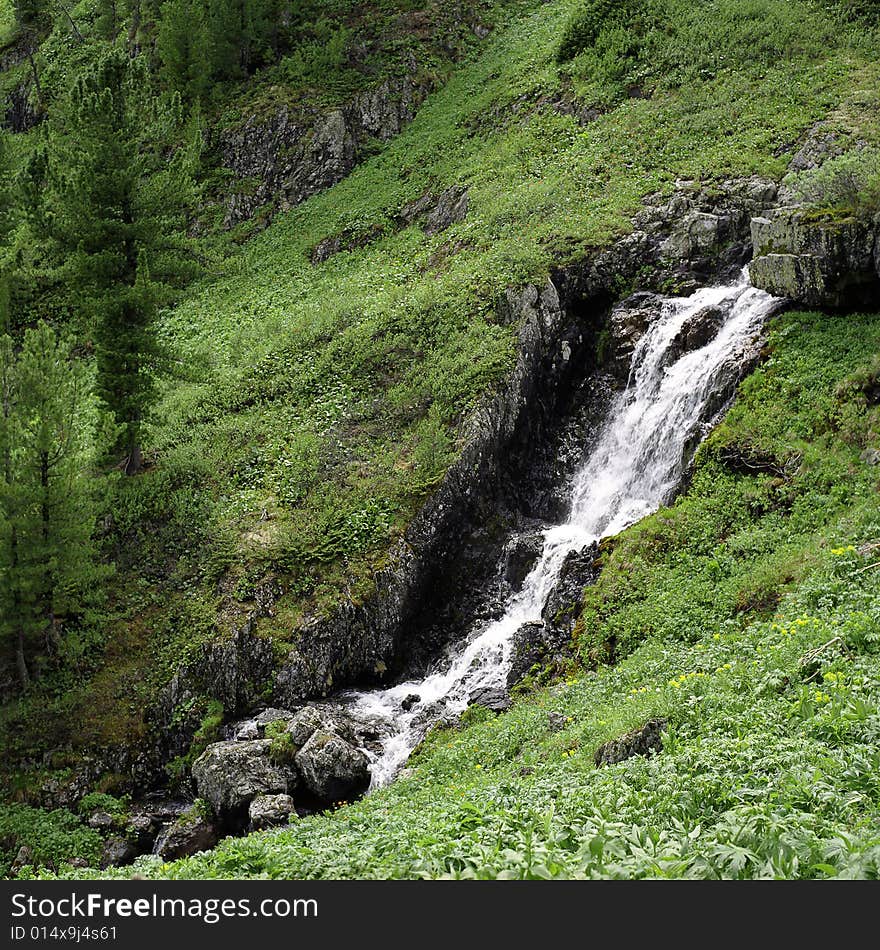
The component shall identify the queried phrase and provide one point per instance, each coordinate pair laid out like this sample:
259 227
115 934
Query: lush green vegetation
293 415
771 689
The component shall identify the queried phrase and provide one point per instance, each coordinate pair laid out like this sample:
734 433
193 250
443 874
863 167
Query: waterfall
635 466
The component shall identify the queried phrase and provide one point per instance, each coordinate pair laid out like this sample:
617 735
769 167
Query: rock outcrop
564 602
646 740
190 833
521 554
230 775
289 156
832 264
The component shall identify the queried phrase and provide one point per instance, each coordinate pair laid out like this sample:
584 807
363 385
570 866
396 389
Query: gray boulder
495 700
816 263
268 811
645 740
191 833
333 770
304 725
229 775
118 852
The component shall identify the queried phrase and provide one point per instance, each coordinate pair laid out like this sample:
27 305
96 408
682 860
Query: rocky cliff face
289 156
817 263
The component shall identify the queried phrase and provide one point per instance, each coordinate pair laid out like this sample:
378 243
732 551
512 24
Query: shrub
53 837
584 28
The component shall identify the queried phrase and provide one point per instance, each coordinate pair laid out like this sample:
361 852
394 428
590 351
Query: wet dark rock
496 700
626 326
409 701
816 263
229 775
269 811
645 740
118 852
332 769
699 330
531 645
564 602
520 556
188 835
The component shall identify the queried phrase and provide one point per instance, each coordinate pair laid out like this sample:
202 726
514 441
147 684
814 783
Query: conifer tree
118 218
46 512
184 47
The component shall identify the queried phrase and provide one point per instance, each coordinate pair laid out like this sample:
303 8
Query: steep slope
767 765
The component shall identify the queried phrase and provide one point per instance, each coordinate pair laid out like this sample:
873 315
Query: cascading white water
635 465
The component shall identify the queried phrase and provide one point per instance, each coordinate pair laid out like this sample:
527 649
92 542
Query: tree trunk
23 676
48 591
20 660
134 28
135 462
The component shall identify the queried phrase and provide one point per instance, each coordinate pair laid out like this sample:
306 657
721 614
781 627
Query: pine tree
184 47
34 21
118 205
46 513
108 20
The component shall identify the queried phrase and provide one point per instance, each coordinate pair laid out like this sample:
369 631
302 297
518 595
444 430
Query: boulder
267 811
23 857
563 604
229 775
697 331
697 233
333 770
409 701
520 556
100 820
492 698
304 725
451 207
816 263
646 740
118 852
530 646
255 726
191 833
